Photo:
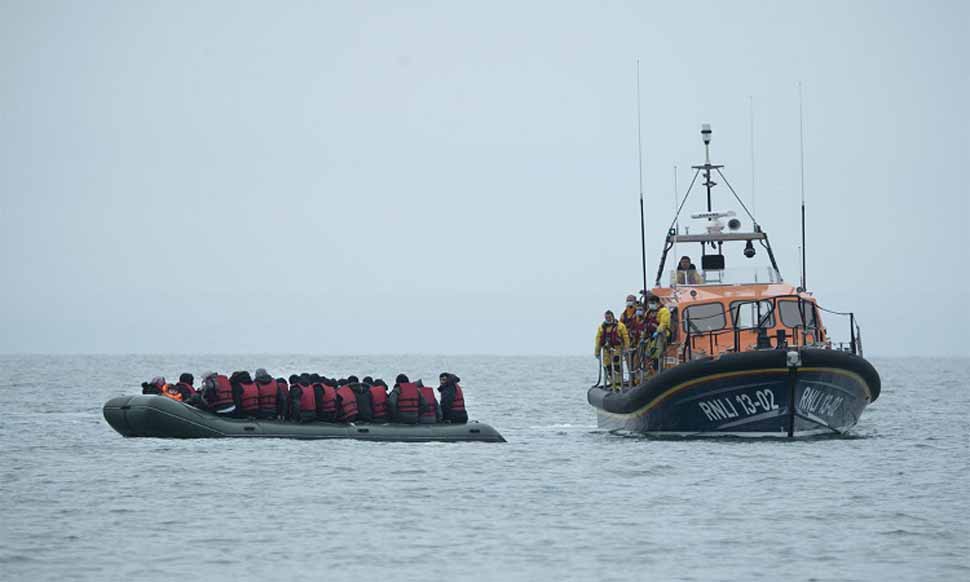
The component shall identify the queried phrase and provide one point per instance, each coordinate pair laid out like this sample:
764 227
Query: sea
561 500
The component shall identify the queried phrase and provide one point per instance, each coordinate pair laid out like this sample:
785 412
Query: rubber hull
160 417
745 394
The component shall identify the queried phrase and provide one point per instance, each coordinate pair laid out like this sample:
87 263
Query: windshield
791 313
752 314
704 317
734 276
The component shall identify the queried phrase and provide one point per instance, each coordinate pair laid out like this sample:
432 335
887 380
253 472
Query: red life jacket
249 398
223 396
429 411
267 397
407 399
458 404
308 400
650 322
348 404
610 336
329 404
378 402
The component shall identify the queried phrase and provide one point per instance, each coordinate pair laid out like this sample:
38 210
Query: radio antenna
751 122
801 146
643 234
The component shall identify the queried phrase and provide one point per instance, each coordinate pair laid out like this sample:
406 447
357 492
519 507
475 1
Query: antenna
676 216
801 145
751 120
643 234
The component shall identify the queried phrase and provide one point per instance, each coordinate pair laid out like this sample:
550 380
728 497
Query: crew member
657 329
612 339
452 399
687 272
629 312
283 398
378 400
638 340
429 411
405 400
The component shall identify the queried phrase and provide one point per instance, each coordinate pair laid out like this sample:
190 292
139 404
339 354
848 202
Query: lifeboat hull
745 394
160 417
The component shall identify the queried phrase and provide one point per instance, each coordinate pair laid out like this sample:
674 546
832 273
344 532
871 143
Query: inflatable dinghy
160 417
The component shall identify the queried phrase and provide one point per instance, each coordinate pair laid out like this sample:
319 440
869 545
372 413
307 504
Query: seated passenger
379 403
430 412
327 405
404 400
217 394
270 394
303 399
687 272
365 412
185 387
245 393
154 386
346 402
283 398
452 399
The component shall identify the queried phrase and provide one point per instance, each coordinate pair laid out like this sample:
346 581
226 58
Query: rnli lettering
747 403
820 403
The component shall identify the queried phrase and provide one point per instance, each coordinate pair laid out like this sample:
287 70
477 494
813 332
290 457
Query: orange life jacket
170 391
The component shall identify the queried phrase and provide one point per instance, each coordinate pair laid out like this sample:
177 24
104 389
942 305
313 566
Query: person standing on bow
636 328
629 312
612 339
656 329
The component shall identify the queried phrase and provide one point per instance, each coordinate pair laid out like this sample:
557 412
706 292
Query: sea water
562 500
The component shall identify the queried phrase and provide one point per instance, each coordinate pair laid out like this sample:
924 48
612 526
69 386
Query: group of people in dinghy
312 397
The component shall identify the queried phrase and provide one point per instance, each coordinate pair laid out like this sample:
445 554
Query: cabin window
752 314
705 317
791 314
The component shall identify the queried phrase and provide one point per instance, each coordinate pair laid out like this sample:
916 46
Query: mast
643 230
751 133
706 134
801 146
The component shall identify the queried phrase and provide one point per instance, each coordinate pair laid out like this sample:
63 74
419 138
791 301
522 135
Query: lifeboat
747 353
161 417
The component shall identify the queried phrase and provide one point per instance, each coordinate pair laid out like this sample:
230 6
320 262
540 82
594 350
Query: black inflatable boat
160 417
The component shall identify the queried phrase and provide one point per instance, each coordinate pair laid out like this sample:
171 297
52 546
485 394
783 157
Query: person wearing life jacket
185 386
303 400
429 411
283 398
629 312
347 410
452 399
327 405
686 273
405 400
657 329
181 391
269 395
365 412
638 339
154 386
217 394
380 408
245 393
612 339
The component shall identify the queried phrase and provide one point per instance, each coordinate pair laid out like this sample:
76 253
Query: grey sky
399 177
